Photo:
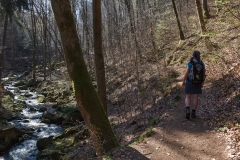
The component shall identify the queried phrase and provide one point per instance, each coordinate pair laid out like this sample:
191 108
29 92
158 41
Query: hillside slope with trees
116 78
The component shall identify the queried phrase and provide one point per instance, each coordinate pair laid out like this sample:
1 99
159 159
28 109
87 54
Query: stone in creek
25 121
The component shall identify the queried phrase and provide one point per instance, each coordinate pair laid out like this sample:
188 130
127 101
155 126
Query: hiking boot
193 115
187 113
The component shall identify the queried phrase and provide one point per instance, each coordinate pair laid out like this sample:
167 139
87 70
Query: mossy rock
49 155
83 134
41 99
20 97
21 139
56 149
66 133
19 83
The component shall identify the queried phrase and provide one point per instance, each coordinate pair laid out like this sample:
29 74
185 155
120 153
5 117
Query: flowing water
30 117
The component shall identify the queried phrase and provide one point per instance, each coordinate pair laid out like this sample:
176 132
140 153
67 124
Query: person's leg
188 103
188 100
195 104
195 101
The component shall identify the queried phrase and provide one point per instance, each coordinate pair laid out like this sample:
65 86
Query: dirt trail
181 139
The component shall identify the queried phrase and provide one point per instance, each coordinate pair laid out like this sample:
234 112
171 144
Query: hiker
193 81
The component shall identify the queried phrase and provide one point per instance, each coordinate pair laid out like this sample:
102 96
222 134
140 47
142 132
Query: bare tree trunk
133 31
151 27
87 99
45 39
3 46
202 24
33 19
205 9
178 21
98 52
200 16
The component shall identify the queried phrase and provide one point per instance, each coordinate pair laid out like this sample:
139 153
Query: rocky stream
41 129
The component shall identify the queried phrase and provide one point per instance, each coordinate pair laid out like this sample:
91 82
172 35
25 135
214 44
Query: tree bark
33 20
178 20
208 43
3 46
205 9
98 52
200 16
87 99
45 39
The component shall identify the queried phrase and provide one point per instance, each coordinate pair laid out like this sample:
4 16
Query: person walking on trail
193 81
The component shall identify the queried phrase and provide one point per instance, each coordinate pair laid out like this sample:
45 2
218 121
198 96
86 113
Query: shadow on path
183 139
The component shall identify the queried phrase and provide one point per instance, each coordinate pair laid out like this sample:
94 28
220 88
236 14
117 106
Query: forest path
182 139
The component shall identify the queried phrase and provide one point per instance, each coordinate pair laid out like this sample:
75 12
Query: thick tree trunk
205 9
98 52
87 99
178 21
3 46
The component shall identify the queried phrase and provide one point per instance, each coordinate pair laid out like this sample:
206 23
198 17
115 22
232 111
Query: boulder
8 136
24 87
56 149
66 133
44 143
19 83
32 83
52 118
25 121
83 134
75 115
25 130
3 147
27 95
42 109
41 99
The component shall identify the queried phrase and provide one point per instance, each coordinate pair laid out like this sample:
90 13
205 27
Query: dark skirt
193 89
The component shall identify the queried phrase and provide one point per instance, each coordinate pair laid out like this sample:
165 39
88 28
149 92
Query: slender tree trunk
205 9
151 26
3 46
98 52
34 42
87 99
208 43
178 20
45 39
129 6
200 16
12 49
